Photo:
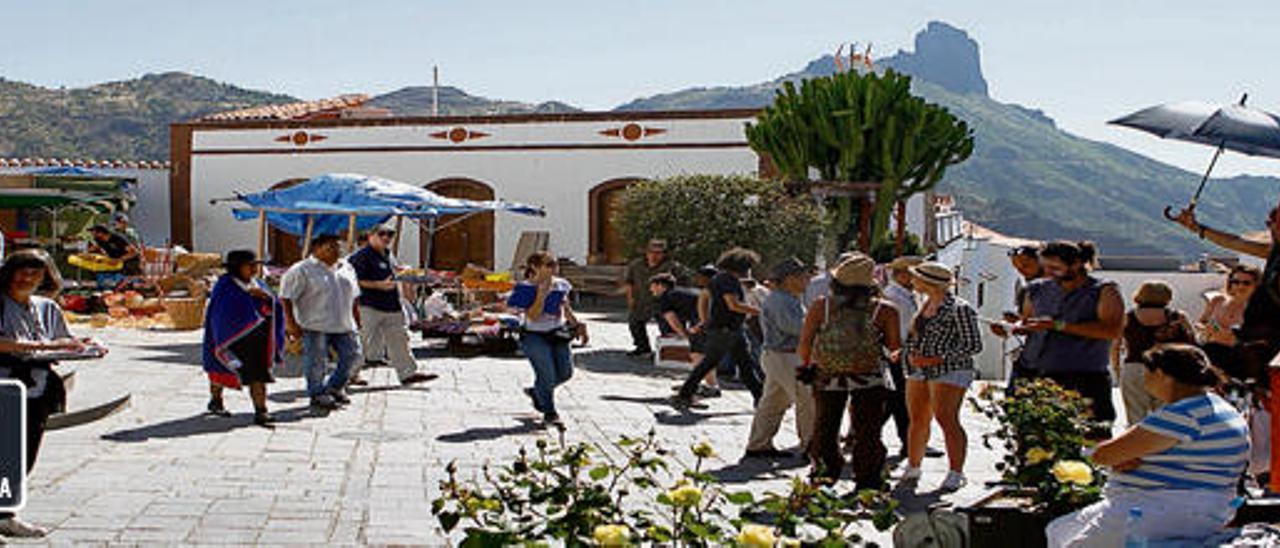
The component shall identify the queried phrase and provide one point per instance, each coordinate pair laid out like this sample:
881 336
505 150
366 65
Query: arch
283 249
469 241
604 241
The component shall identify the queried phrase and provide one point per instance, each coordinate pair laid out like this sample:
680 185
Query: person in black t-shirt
678 309
116 246
384 330
724 327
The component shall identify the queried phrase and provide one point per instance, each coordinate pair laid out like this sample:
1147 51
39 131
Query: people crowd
866 341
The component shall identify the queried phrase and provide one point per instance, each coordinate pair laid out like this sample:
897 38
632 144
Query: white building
575 165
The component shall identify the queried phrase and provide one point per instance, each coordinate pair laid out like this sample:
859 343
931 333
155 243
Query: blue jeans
315 359
552 366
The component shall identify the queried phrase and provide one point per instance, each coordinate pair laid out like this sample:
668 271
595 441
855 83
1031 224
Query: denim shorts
960 377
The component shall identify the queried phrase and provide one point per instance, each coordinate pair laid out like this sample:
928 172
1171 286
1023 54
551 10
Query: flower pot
1006 518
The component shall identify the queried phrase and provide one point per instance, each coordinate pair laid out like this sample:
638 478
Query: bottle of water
1135 535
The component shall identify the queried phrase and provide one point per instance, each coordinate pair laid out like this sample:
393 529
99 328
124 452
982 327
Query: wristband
1059 325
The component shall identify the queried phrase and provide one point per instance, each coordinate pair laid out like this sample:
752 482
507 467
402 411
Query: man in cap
120 222
781 319
639 300
116 246
319 297
384 328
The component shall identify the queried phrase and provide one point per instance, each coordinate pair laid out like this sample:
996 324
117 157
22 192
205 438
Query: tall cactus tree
858 127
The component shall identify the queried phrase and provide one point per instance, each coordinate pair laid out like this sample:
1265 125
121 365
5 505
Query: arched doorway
283 249
469 241
605 240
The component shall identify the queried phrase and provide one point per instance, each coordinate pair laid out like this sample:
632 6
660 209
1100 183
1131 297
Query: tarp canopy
34 198
332 199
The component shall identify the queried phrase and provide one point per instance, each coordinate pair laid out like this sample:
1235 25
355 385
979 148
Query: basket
185 313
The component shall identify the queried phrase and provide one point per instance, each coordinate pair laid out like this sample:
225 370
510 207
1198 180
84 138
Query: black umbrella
1236 127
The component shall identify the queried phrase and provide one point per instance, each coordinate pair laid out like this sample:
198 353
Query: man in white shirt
319 297
903 297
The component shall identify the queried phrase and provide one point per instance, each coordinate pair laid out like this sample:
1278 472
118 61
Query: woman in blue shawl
243 335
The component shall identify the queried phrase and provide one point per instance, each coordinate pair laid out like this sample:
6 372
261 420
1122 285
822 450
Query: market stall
463 308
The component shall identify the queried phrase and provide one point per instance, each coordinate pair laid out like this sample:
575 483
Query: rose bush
1043 429
629 495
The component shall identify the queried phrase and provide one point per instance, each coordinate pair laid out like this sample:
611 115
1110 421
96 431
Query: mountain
127 119
1027 177
416 101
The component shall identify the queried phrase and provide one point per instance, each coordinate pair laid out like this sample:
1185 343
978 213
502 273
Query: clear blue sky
1083 62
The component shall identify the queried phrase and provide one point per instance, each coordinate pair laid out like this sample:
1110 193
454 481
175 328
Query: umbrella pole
351 233
262 235
431 239
395 242
306 243
1196 199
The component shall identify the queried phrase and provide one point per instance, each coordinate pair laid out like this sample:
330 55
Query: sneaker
323 401
357 382
910 473
416 378
955 481
708 391
14 527
769 453
339 397
216 408
681 404
263 418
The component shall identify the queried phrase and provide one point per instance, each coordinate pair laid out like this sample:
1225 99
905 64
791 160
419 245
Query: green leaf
741 498
600 472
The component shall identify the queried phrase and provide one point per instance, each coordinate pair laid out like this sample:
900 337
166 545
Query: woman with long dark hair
844 344
549 327
29 325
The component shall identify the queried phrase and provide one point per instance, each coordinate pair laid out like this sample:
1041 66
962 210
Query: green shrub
700 216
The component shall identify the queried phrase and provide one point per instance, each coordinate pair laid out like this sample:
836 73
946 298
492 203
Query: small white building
574 164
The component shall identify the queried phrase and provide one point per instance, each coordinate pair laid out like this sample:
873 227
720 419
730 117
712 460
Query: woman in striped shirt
1179 465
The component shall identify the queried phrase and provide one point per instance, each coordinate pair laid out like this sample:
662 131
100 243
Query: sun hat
1153 293
788 267
905 262
933 272
857 270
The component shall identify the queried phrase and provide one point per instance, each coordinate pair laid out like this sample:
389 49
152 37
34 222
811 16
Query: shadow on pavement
747 470
204 423
526 426
673 418
175 354
618 362
911 501
661 401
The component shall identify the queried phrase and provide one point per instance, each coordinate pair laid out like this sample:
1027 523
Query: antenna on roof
435 90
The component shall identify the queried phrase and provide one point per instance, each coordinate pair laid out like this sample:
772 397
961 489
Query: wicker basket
185 313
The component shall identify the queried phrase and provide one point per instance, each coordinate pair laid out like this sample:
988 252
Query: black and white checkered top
952 334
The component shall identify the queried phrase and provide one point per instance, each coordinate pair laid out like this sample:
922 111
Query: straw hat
857 270
934 273
905 262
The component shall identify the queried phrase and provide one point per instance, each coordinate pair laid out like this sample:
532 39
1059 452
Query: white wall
557 178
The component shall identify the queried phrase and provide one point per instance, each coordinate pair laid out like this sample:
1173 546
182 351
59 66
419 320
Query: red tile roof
85 163
292 111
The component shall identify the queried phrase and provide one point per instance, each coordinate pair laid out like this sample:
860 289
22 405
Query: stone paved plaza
162 472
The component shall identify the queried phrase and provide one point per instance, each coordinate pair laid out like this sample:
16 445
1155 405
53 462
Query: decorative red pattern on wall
632 132
301 138
459 135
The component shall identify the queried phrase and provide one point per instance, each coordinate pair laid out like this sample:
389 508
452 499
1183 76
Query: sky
1082 62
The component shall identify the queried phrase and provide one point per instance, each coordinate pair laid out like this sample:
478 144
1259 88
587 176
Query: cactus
861 128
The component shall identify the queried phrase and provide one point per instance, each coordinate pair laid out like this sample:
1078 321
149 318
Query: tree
853 127
700 216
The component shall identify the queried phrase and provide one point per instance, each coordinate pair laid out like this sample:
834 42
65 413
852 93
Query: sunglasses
1237 281
386 233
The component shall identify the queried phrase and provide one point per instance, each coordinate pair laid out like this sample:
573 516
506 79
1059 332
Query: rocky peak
944 55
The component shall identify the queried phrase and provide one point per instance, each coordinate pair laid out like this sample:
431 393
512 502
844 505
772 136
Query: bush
700 216
1043 428
581 495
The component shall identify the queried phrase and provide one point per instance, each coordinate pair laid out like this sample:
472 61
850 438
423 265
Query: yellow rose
1037 455
685 496
704 450
1073 471
757 536
612 535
